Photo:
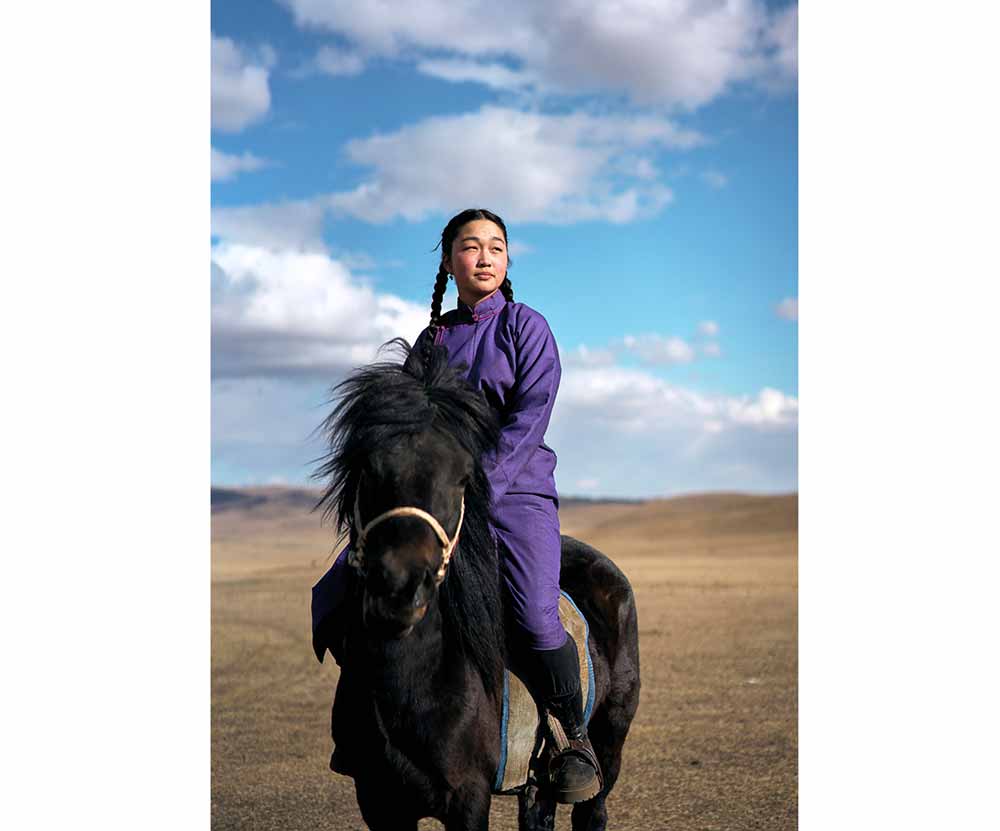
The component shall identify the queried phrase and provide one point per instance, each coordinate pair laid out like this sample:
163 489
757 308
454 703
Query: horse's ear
418 355
413 365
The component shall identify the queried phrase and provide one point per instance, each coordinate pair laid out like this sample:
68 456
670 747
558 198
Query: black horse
416 716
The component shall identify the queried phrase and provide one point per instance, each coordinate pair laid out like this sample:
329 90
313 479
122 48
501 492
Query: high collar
484 308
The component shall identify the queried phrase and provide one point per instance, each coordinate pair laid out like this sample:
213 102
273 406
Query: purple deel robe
512 357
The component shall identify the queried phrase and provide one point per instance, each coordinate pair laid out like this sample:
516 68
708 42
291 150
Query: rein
356 557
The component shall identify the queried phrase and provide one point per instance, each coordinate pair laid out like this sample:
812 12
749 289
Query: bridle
357 555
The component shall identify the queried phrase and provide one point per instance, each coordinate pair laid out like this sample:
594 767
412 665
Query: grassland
714 744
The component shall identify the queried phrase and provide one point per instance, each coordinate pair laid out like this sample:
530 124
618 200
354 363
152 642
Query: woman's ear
446 262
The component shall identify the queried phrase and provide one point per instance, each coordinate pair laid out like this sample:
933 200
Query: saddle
522 729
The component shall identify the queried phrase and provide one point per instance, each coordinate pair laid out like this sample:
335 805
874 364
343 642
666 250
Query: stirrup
581 748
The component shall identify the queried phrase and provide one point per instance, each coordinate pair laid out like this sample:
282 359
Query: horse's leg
608 729
382 811
469 808
536 811
592 815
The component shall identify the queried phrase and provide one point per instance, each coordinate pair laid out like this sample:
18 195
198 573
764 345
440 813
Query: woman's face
478 260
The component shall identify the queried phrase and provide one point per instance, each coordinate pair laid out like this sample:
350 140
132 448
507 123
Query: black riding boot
574 770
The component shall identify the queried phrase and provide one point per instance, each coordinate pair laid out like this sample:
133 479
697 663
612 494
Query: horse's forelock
378 403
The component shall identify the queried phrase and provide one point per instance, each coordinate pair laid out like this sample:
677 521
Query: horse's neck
404 673
418 692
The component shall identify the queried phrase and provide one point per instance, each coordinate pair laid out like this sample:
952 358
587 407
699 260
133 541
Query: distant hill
250 498
695 513
706 514
259 527
264 499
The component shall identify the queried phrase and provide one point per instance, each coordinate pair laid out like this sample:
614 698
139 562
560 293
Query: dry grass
714 744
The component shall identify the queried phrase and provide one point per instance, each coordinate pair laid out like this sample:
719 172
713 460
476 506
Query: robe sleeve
536 381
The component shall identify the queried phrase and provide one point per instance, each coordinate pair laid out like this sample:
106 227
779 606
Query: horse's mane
383 401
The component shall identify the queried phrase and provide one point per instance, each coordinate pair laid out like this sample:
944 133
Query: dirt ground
714 744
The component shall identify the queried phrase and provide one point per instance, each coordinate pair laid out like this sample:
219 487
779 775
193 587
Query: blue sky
645 160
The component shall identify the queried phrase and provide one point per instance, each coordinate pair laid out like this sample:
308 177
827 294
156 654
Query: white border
105 338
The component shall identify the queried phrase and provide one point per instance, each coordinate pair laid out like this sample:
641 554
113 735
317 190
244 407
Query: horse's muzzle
391 620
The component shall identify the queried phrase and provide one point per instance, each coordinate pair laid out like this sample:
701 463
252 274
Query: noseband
357 555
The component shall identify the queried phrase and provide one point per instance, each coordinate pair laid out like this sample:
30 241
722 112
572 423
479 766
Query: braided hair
447 238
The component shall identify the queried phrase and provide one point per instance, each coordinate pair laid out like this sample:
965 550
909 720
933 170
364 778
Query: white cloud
557 169
639 167
788 308
543 168
240 91
657 438
494 75
332 61
583 355
715 179
296 313
659 349
711 350
285 322
770 407
633 399
294 225
708 329
622 432
361 260
226 166
390 28
651 349
619 432
684 53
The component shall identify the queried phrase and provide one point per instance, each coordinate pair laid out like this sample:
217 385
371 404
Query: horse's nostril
430 578
418 590
387 579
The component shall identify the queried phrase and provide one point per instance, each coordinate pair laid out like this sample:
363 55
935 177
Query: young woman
512 357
